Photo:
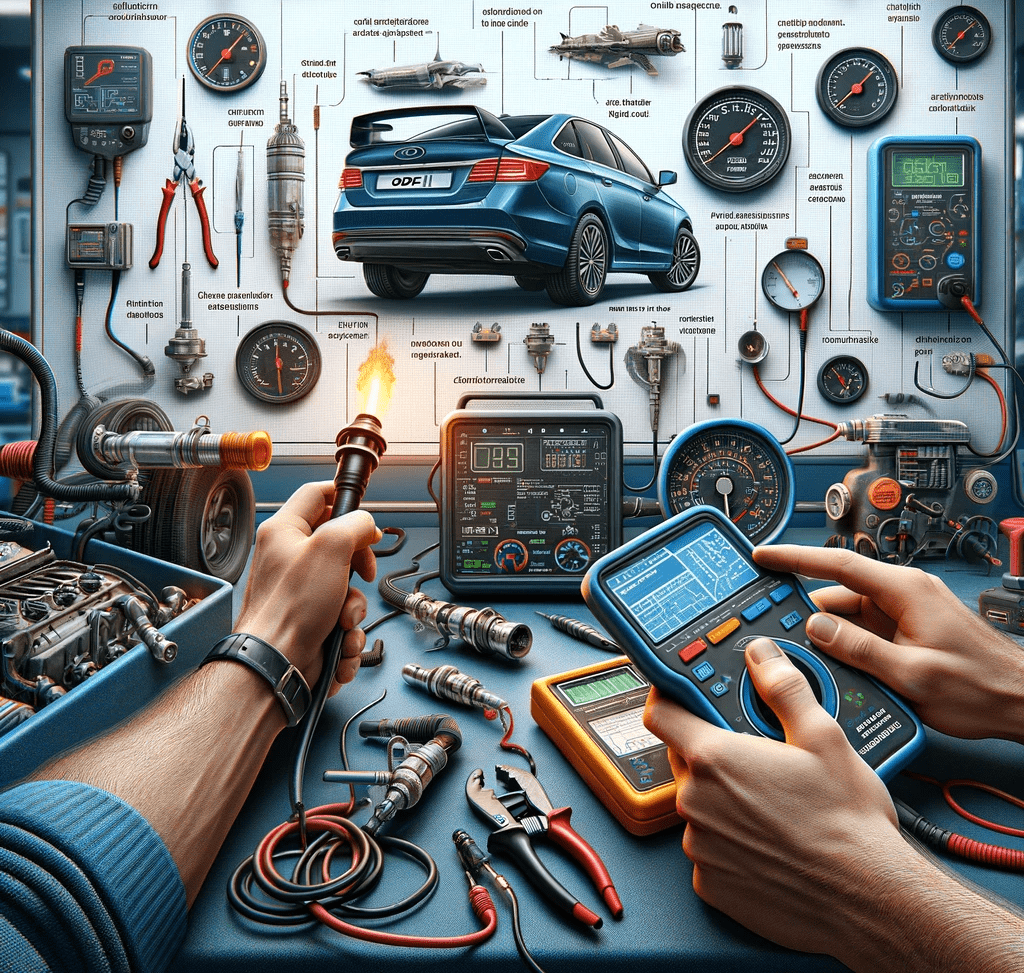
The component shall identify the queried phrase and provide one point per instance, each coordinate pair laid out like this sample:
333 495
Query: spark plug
446 682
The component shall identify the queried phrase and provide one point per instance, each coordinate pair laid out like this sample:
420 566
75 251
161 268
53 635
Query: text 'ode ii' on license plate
412 179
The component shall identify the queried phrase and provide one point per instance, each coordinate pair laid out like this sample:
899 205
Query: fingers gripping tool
517 817
184 149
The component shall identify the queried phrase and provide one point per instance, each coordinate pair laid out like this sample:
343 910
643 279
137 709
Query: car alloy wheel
581 280
685 264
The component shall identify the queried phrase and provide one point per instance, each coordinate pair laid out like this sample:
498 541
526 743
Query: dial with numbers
278 362
226 53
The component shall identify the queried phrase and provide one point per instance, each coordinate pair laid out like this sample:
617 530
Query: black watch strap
289 686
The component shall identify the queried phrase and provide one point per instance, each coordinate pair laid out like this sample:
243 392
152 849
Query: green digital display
620 681
932 170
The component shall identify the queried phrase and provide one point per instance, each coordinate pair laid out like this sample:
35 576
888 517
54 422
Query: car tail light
509 169
351 179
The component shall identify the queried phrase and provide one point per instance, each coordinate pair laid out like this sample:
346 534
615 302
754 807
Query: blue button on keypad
791 620
781 593
719 689
756 610
703 672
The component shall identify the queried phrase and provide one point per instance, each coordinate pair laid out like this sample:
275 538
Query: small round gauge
733 465
511 556
857 87
961 35
843 379
793 280
226 53
278 362
736 139
572 555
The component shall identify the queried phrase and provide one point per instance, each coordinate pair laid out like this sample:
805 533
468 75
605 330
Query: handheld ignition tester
924 213
685 598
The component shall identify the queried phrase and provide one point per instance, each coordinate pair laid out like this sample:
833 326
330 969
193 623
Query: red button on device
690 652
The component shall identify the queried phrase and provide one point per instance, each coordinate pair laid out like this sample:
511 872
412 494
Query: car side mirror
666 177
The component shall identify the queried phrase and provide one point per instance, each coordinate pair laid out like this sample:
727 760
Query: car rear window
568 141
595 145
631 162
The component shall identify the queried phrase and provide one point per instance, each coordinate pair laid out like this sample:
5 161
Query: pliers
520 815
184 149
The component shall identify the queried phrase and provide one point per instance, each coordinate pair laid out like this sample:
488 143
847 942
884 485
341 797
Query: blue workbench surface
664 923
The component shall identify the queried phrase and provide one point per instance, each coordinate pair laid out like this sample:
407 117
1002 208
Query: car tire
393 283
685 264
531 283
203 519
581 281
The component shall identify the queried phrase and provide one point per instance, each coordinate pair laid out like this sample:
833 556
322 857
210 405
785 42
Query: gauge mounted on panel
843 379
278 362
961 35
793 280
736 139
733 465
857 87
226 53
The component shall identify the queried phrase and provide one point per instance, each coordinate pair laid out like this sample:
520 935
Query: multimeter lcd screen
927 170
668 587
497 457
591 691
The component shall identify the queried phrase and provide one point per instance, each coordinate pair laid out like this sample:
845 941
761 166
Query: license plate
410 179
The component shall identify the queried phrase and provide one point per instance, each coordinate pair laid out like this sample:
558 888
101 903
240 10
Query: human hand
907 629
777 830
300 576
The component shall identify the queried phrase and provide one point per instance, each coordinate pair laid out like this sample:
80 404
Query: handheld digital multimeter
108 98
685 598
594 715
529 499
924 211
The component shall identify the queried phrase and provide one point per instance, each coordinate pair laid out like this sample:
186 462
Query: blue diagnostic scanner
924 211
685 598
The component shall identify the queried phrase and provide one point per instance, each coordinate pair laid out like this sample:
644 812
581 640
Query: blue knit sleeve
86 884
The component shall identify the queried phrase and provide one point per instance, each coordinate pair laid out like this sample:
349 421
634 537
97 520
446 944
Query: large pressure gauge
226 53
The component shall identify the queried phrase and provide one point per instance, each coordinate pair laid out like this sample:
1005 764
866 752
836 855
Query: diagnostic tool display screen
667 588
491 457
591 691
931 170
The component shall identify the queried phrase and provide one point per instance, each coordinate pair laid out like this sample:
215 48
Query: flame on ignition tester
376 381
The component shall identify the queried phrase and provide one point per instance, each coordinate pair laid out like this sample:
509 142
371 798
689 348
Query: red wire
786 408
947 787
1002 404
505 742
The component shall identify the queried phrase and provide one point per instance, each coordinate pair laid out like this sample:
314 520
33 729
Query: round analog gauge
736 139
857 87
793 280
843 379
226 53
961 35
511 556
572 555
278 362
733 465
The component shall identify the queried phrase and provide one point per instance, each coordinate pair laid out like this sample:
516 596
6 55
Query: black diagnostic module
108 98
528 498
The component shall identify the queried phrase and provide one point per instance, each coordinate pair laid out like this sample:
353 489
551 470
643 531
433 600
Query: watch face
226 53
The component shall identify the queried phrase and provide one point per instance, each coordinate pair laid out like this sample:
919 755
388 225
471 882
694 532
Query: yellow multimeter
594 715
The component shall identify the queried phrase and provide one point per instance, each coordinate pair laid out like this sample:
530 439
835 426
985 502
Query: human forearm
187 762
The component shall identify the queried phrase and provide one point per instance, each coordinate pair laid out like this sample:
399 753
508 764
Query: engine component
286 183
62 621
616 48
643 362
186 347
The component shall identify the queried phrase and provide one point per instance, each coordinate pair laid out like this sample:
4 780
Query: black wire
993 460
586 371
800 399
143 362
517 934
430 484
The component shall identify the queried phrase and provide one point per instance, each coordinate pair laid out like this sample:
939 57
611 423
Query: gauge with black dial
843 379
736 139
733 465
278 362
226 53
511 556
572 555
857 87
961 35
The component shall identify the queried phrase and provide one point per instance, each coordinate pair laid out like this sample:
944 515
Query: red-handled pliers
184 166
520 815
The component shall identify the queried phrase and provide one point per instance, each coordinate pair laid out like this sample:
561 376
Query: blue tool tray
128 683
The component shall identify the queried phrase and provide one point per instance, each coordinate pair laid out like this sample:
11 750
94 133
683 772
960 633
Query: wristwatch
287 682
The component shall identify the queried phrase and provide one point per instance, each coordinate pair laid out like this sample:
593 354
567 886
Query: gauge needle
835 371
959 37
735 139
785 279
857 88
723 487
278 363
225 55
105 67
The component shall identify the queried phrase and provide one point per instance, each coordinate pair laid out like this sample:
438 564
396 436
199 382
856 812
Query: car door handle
607 182
647 198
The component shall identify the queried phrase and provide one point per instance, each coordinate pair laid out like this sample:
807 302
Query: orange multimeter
594 715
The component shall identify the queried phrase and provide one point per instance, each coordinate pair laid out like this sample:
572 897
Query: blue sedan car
554 201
